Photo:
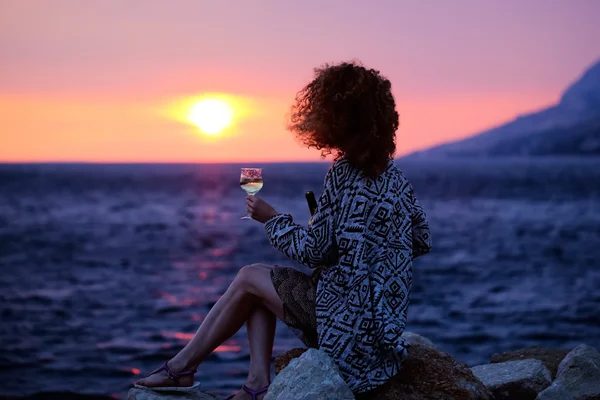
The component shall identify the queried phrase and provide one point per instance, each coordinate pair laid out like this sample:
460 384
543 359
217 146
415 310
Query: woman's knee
255 281
247 276
259 266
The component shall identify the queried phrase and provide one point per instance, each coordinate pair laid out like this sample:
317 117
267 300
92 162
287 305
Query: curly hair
348 111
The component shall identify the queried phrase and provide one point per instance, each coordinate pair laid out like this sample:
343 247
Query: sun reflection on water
230 346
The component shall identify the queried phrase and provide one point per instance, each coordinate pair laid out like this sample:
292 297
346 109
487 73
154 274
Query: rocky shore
429 374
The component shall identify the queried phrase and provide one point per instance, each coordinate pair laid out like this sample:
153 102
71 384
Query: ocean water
107 270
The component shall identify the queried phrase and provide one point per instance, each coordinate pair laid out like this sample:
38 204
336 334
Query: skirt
297 292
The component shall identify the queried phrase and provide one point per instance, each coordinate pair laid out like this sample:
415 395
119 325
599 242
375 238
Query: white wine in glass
251 181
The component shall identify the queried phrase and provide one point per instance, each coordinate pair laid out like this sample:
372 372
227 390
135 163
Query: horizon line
158 162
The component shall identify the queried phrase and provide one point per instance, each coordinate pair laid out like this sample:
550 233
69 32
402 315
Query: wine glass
251 181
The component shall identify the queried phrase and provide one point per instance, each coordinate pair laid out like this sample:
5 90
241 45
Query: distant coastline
571 127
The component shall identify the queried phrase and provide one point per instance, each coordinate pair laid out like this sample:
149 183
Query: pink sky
89 80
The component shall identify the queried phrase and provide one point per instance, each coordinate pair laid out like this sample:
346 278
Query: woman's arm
420 228
314 246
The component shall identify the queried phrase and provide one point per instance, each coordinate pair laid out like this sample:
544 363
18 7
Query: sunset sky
109 80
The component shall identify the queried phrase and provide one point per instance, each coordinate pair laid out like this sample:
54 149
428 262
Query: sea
106 271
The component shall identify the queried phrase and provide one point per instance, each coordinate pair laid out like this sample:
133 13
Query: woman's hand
259 209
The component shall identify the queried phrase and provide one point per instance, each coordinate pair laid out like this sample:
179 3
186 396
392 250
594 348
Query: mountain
570 127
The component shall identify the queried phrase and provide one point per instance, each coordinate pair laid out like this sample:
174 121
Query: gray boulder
514 380
415 338
578 377
550 357
284 359
311 376
194 392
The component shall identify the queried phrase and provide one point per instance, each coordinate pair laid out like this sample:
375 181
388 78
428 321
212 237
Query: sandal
254 393
172 375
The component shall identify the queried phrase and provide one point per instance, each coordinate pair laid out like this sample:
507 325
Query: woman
368 228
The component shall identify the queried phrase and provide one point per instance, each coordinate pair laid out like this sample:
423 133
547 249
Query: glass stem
247 216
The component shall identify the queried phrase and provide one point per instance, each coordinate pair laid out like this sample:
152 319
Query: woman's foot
254 385
170 374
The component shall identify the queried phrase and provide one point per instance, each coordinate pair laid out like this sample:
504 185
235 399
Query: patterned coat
364 237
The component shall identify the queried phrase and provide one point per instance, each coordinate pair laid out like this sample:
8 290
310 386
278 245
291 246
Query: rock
194 392
578 376
550 357
312 376
428 374
514 380
415 338
283 360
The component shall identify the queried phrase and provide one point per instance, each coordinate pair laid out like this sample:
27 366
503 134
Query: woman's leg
261 333
252 288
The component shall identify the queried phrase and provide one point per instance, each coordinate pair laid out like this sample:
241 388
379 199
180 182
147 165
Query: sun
211 115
